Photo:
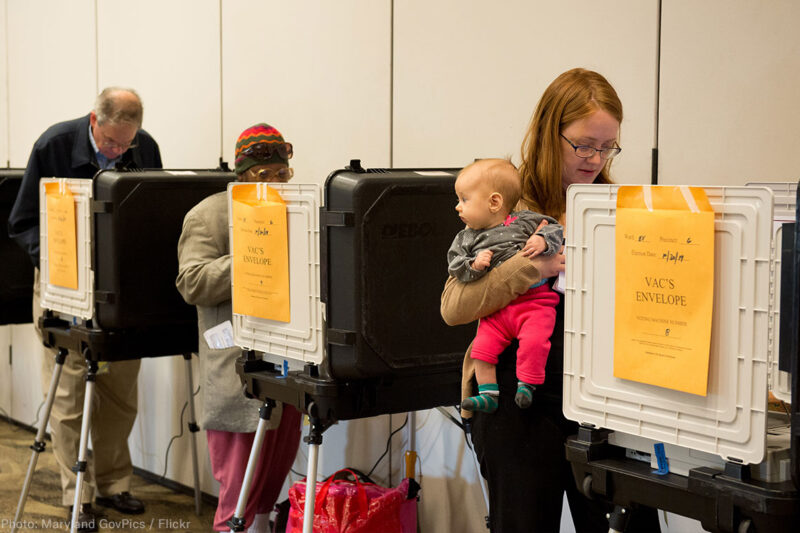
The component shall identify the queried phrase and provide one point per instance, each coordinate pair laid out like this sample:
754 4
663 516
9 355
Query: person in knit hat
204 280
259 149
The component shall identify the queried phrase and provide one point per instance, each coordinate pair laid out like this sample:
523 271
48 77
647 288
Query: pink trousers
229 454
530 318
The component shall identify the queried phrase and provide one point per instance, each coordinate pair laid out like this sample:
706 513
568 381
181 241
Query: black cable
463 424
786 410
179 435
388 441
452 418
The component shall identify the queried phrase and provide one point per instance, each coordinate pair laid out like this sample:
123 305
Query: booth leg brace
80 465
193 429
237 523
314 440
39 445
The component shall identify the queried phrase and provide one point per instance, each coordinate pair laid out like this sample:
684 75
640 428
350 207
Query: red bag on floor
344 506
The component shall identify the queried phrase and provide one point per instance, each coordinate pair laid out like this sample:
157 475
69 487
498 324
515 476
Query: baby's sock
524 396
485 401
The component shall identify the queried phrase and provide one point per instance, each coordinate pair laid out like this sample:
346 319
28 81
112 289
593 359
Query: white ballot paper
220 336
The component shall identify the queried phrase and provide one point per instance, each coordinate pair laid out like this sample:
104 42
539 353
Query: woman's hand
549 265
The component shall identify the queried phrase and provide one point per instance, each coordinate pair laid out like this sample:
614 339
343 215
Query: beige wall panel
51 68
27 394
318 71
729 106
3 84
468 74
164 414
168 52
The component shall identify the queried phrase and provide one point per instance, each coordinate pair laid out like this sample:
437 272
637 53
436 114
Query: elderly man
108 137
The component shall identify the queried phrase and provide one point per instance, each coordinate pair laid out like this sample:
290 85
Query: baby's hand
535 245
482 260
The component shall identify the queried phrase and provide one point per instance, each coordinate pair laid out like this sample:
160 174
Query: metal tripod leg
193 429
237 523
314 440
80 465
39 445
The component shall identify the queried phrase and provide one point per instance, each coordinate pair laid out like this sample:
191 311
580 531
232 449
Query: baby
487 191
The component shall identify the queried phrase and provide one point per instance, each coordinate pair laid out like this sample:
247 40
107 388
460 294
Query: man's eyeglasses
264 151
585 152
267 174
109 144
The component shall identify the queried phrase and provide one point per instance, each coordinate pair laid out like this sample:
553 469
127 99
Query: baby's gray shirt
504 241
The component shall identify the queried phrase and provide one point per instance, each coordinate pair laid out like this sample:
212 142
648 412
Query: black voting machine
136 221
16 270
384 236
723 499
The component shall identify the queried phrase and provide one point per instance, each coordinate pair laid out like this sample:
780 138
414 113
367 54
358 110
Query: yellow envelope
260 250
664 286
62 243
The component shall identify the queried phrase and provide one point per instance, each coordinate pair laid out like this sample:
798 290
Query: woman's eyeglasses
265 151
267 174
585 152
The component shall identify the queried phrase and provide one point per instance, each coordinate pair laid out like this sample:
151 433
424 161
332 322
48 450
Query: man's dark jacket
64 151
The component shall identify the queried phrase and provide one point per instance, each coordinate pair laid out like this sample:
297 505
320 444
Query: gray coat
204 280
504 241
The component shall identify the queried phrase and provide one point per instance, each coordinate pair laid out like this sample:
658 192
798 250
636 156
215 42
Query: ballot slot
729 423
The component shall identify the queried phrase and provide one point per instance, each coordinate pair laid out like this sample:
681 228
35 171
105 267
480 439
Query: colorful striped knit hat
260 133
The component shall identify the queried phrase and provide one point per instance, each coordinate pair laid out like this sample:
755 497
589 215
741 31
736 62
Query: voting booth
366 272
16 269
109 279
696 440
108 264
356 331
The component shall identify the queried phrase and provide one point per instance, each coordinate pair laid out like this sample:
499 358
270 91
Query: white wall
729 106
319 73
405 83
3 86
169 52
468 75
51 68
